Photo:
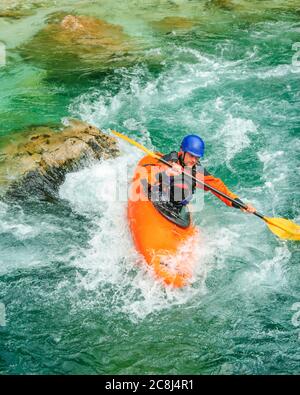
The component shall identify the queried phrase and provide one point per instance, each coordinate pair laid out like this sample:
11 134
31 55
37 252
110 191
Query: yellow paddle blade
140 146
283 228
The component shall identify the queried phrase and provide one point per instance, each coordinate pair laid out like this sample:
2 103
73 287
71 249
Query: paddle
283 228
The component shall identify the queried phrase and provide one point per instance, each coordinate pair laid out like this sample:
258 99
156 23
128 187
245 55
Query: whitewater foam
110 266
235 136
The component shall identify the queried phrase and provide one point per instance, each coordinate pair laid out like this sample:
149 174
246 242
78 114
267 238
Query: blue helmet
193 144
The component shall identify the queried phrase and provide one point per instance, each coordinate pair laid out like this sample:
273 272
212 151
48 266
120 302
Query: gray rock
34 163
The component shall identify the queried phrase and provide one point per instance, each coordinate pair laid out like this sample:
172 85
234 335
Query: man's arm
217 183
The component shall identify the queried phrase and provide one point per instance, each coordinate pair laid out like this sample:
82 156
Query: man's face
190 160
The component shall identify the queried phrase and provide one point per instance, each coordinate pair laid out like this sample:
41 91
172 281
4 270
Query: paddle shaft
140 146
242 205
211 188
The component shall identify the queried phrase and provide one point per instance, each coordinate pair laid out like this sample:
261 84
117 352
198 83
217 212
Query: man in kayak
172 189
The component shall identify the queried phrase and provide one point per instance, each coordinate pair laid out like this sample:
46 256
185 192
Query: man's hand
250 209
173 171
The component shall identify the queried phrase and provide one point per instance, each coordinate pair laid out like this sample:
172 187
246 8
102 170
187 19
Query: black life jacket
177 190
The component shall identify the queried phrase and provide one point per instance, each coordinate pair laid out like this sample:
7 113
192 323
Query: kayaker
173 189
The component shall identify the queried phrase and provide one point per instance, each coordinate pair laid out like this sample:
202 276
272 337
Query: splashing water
97 193
78 298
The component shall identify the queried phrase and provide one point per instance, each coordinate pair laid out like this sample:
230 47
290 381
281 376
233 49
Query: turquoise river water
72 299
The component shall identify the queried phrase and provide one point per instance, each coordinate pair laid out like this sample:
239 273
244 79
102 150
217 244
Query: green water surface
75 300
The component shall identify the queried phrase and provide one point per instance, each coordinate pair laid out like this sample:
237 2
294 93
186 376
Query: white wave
15 225
277 72
16 256
3 208
279 170
142 101
18 235
20 231
235 136
268 274
110 260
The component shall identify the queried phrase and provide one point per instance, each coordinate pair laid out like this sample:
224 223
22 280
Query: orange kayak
166 246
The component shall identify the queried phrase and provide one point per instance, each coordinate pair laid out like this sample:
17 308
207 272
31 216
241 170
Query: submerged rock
79 44
171 23
34 163
15 14
223 4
